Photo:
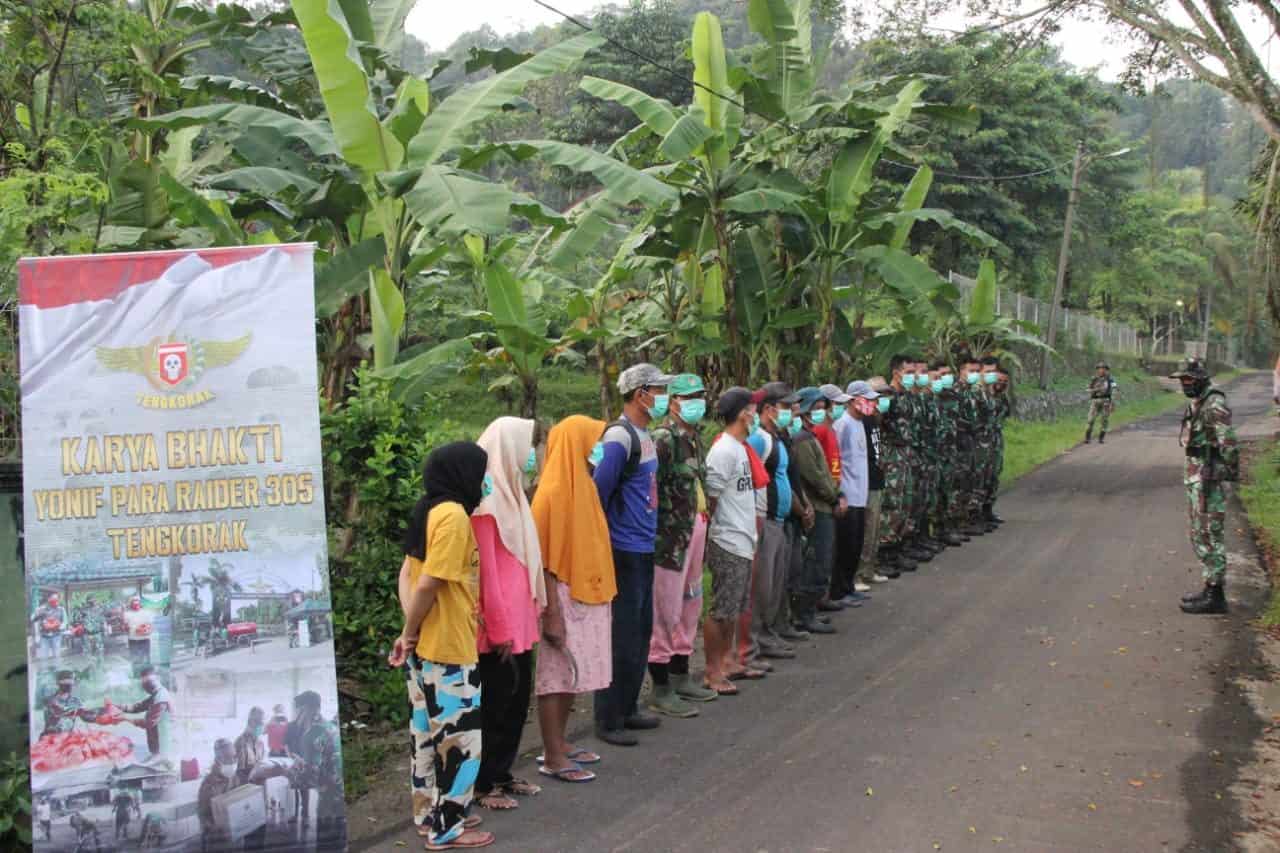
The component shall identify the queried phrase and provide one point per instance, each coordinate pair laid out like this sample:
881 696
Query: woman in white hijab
512 596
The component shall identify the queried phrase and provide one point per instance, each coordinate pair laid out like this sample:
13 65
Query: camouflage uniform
962 465
984 454
1002 411
681 468
926 468
1100 404
896 439
947 440
1213 457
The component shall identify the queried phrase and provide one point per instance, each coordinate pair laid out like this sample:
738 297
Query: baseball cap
1190 368
685 385
809 396
732 401
834 394
878 384
778 392
862 388
640 375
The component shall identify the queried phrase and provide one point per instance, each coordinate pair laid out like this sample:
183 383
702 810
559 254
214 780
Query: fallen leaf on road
1023 768
401 844
1157 775
1093 807
1137 783
870 793
997 838
954 788
974 830
937 846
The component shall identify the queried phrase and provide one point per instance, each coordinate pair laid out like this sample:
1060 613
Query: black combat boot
1088 436
1200 593
1102 438
1214 601
903 563
918 553
953 539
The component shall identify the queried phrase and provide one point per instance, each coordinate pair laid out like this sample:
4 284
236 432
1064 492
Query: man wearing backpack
627 480
1213 460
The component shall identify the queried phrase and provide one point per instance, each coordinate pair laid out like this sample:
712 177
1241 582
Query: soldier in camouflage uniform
928 442
1213 460
1004 409
896 441
971 425
1101 387
948 456
679 548
996 406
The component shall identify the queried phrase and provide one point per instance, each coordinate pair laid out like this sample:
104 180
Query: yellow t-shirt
448 634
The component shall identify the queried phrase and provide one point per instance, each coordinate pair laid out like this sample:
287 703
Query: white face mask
228 770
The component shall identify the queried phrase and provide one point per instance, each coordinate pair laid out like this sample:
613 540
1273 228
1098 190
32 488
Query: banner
180 640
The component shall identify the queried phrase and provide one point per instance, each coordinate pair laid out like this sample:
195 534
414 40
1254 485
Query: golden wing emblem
222 353
125 359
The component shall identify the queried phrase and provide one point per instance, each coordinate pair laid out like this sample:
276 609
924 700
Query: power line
666 69
957 177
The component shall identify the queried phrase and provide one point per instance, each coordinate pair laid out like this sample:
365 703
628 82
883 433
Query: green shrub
374 449
15 803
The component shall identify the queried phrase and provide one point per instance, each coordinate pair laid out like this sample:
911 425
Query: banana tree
697 150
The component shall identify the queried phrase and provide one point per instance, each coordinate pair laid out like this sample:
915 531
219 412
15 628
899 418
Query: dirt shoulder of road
1257 780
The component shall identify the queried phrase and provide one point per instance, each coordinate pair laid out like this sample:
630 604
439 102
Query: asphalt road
1035 690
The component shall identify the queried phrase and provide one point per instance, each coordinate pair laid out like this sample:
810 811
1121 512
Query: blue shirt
854 473
630 503
779 488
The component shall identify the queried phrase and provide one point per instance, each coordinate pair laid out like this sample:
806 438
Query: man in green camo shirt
1213 460
896 443
948 456
927 447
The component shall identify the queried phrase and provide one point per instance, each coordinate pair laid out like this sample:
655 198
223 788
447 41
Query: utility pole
1063 256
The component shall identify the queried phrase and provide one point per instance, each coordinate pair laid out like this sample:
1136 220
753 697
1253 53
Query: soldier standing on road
1101 388
1213 459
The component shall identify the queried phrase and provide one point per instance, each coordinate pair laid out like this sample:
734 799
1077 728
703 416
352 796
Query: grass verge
1260 494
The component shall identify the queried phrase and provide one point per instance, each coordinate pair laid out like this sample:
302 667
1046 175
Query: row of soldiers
941 451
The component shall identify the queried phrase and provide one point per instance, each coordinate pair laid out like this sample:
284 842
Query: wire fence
1082 330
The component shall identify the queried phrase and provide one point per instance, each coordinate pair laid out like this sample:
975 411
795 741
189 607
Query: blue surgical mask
486 487
837 411
784 418
948 380
795 427
596 456
692 411
937 385
755 422
908 380
531 464
882 404
972 378
818 416
990 378
659 407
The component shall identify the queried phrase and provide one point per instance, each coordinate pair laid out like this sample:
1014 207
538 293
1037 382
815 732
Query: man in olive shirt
811 475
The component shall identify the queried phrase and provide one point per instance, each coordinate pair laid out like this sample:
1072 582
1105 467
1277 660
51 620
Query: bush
15 803
374 449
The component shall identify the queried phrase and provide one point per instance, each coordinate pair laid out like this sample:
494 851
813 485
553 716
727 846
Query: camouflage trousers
1206 511
959 488
983 464
1098 408
445 732
930 479
896 497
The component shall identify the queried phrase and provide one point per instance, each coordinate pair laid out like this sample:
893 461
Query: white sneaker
879 578
859 586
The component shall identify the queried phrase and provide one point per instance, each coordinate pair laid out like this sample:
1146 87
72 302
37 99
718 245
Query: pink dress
507 609
585 664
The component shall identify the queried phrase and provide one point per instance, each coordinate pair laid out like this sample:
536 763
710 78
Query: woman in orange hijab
574 656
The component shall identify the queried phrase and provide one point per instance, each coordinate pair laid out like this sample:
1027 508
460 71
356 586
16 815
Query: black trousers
505 687
632 630
849 533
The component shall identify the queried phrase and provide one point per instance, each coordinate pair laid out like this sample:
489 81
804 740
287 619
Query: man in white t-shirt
731 535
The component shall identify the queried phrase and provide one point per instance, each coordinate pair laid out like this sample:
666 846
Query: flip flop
746 675
565 774
468 822
521 788
489 801
728 690
579 756
468 840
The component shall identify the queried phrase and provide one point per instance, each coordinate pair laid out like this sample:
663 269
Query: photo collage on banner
180 639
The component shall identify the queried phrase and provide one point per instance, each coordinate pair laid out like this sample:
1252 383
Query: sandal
573 773
497 801
468 840
747 674
468 822
521 788
725 688
578 755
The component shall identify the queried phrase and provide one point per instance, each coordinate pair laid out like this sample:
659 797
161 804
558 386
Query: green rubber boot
665 701
687 688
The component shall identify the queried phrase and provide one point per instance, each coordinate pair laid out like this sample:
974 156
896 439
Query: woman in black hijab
438 587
